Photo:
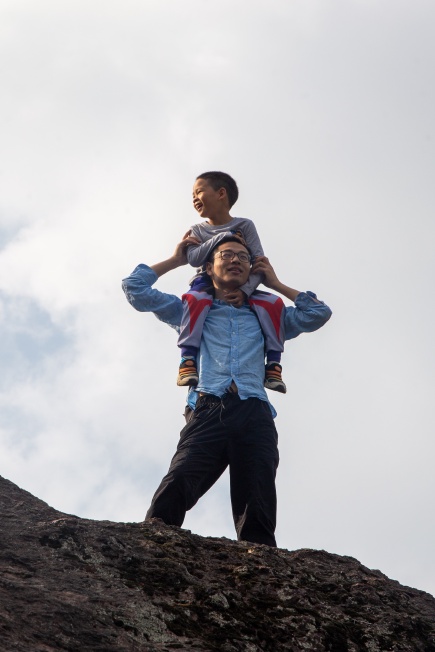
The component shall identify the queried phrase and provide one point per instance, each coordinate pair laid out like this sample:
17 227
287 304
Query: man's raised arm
143 297
178 258
270 280
309 313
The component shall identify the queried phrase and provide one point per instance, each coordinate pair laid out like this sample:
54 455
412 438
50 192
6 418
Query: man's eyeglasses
229 255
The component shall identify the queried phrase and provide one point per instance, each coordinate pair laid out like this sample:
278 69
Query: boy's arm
251 237
253 242
251 284
198 253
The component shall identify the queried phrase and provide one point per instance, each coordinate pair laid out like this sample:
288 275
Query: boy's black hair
222 180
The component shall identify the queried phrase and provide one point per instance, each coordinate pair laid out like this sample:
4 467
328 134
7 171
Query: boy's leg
199 461
273 373
270 310
195 309
188 370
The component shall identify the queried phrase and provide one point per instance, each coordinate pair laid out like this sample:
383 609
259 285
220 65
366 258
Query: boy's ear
222 192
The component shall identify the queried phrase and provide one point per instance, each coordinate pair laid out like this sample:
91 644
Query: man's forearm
263 266
166 265
290 293
178 258
285 290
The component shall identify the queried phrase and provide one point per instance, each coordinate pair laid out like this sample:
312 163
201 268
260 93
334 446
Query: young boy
214 193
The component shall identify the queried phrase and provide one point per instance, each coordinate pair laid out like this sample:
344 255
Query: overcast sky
323 111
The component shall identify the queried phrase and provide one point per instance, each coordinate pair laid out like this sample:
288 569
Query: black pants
224 432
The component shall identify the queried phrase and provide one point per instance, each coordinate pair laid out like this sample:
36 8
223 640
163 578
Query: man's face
229 273
206 200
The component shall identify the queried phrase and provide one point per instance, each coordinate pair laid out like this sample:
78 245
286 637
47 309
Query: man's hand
180 253
178 258
262 266
236 298
270 279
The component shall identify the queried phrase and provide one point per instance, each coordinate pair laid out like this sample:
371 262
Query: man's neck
221 293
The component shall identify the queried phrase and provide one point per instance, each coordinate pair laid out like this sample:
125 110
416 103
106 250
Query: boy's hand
236 298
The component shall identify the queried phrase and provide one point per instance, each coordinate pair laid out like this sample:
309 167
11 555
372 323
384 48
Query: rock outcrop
85 586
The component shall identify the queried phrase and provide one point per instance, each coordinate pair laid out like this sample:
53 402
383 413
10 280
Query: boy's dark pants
222 432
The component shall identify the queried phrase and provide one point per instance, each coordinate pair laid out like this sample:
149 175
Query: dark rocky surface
79 585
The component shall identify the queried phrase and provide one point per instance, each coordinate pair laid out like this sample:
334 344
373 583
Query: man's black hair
228 238
219 180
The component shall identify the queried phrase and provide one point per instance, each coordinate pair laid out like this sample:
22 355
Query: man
229 419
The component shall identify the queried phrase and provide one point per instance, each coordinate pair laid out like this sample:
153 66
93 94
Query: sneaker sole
276 387
192 381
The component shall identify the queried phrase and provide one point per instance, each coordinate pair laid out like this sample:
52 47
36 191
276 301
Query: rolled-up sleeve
143 297
306 316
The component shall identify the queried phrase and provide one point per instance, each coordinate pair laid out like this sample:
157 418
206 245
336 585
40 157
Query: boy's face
206 200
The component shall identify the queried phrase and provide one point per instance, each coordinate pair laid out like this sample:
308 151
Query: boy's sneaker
273 379
187 373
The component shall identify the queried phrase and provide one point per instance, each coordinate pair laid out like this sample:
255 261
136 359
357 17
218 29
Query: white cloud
323 112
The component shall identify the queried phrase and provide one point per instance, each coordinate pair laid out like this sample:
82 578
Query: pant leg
199 461
253 460
270 310
195 309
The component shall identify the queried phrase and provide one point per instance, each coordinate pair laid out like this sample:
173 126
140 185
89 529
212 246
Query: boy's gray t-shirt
210 236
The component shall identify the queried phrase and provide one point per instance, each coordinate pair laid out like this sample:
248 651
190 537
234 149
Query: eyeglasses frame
235 253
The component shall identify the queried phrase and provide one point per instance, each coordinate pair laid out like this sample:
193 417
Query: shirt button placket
234 345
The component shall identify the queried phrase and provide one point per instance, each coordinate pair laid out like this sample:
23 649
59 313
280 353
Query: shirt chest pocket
248 327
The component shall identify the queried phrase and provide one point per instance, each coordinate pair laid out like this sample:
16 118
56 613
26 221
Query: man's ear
209 268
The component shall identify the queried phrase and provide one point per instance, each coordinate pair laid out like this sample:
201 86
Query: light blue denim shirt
232 345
